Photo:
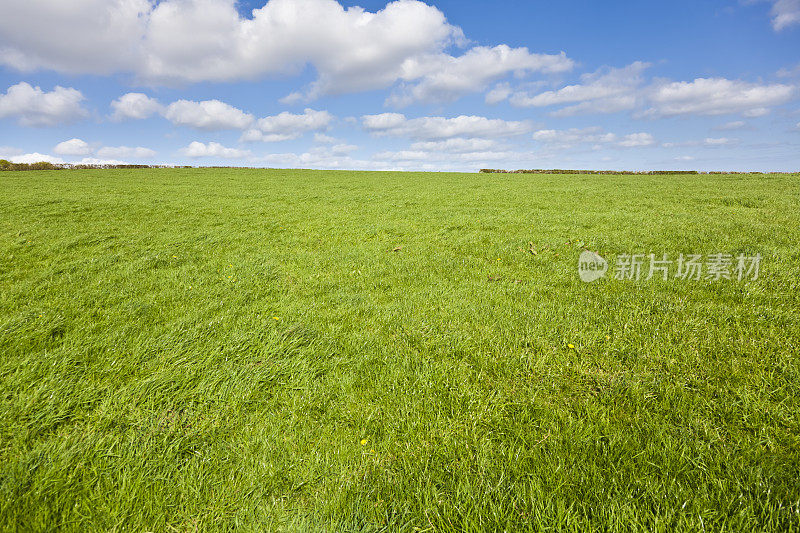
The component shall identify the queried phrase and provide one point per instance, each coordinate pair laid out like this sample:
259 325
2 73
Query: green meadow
280 350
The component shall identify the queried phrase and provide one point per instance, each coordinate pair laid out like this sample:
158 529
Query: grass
338 351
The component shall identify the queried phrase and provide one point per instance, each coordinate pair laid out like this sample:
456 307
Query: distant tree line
46 165
615 172
563 171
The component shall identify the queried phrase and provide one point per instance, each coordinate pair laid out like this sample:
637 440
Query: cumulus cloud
785 13
433 128
608 90
611 90
105 155
10 151
499 93
716 96
450 154
636 140
138 152
421 156
409 156
32 106
718 141
352 49
179 41
709 142
207 40
324 160
456 145
573 136
36 157
444 78
286 126
337 149
207 115
213 115
135 106
213 149
789 72
563 139
733 125
73 147
324 139
80 37
99 161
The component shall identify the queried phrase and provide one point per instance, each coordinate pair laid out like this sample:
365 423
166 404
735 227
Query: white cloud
614 90
456 145
499 93
73 147
409 156
444 78
80 36
785 13
207 115
573 136
31 106
351 49
178 41
322 157
341 149
216 115
135 106
607 90
286 126
564 139
35 157
207 40
733 125
635 140
9 151
107 155
433 128
293 98
709 142
324 139
720 141
254 135
325 157
137 152
98 161
212 149
716 96
789 72
320 154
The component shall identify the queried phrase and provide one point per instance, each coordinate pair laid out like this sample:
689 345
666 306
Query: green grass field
217 349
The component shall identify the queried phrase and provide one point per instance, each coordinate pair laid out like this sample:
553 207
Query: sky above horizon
406 85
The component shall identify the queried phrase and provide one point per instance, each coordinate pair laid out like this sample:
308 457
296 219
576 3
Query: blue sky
450 85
